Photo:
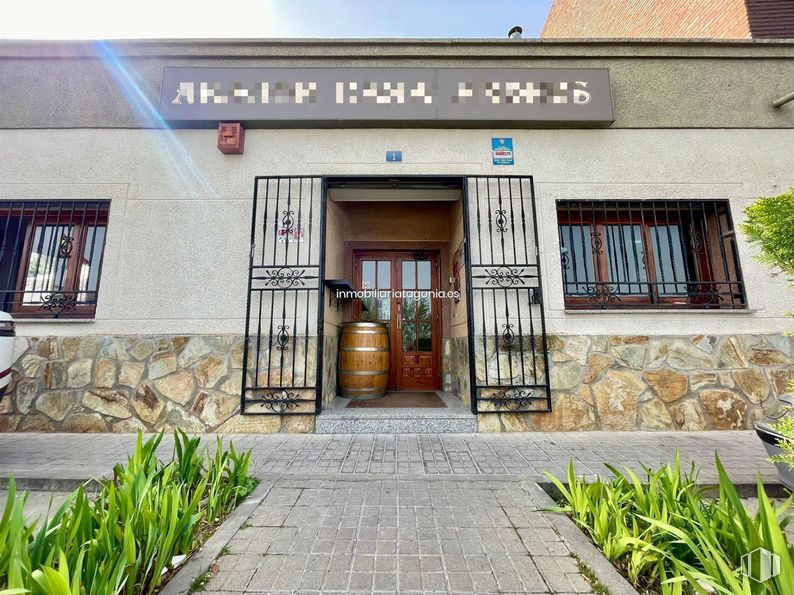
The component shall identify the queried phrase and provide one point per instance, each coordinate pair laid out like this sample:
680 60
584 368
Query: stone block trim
658 383
126 383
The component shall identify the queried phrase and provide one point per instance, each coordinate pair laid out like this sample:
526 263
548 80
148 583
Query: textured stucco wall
654 84
178 238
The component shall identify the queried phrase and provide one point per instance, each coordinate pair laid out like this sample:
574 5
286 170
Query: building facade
670 19
570 210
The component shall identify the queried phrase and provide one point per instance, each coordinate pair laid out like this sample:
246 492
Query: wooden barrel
363 360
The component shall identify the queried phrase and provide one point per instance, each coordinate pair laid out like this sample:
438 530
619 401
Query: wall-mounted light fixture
231 138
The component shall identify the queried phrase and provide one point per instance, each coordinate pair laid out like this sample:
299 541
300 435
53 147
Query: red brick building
714 19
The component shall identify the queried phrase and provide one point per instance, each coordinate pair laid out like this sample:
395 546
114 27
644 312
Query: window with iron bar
51 255
649 254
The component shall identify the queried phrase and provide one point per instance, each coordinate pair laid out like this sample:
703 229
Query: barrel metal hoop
366 349
364 372
363 332
363 390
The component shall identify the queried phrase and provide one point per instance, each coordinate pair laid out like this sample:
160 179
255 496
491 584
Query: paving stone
401 530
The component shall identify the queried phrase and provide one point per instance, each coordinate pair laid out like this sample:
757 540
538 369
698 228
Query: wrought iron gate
283 346
508 360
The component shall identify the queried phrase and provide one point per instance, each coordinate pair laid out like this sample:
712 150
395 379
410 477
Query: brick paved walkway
399 513
395 535
80 456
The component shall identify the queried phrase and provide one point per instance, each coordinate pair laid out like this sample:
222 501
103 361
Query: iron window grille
649 254
51 257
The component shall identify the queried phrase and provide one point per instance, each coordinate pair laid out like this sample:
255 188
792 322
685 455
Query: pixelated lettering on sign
385 93
265 92
333 94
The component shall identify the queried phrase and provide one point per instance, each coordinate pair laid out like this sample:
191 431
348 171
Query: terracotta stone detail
669 385
210 369
78 374
753 384
688 416
161 364
178 387
781 381
597 363
54 374
9 423
108 402
131 373
725 410
147 405
569 412
654 416
36 423
85 422
105 373
767 357
616 396
729 355
31 366
56 404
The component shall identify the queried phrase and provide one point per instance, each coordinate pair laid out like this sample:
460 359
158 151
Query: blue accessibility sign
502 151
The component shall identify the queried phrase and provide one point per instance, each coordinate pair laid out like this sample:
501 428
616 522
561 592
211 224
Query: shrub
668 536
770 226
124 539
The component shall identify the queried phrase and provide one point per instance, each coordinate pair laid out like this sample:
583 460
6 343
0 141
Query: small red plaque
231 138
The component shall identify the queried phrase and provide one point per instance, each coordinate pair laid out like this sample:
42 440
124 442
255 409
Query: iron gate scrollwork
283 346
508 358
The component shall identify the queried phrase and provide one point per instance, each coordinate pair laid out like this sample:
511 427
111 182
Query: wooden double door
405 284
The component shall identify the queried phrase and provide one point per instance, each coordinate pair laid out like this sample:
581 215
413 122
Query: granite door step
400 400
395 421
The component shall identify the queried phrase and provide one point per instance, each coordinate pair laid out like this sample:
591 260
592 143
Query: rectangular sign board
334 95
502 151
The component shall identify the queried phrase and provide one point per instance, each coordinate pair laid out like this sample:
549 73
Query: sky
119 19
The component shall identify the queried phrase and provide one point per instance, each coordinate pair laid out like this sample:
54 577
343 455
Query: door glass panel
409 336
368 279
625 258
417 310
409 274
375 275
669 256
423 275
384 274
384 309
425 339
409 309
423 309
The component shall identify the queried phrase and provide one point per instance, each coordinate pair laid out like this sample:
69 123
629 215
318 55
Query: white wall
178 237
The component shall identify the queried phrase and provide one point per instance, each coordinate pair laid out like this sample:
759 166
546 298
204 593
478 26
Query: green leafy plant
770 226
123 539
785 427
668 535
